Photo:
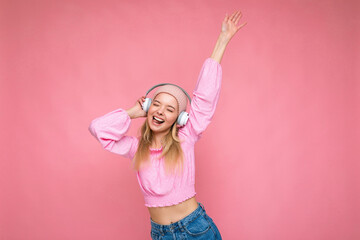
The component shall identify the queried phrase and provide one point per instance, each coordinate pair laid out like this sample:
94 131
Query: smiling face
162 113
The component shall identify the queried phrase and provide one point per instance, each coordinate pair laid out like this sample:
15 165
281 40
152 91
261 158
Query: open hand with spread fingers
229 25
228 29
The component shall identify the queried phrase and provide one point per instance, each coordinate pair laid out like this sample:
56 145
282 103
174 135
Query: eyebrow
167 105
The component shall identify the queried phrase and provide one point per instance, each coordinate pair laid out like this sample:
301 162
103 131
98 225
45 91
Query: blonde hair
172 151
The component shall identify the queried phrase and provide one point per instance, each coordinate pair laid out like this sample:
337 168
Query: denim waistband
200 210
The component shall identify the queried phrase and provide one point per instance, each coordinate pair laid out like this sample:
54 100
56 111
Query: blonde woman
163 156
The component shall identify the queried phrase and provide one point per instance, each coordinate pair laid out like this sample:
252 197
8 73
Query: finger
231 17
238 18
241 26
226 17
234 15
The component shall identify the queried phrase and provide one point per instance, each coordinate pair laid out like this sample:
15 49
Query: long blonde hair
172 151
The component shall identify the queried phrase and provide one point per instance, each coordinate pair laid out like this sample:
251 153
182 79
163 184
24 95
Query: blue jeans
197 225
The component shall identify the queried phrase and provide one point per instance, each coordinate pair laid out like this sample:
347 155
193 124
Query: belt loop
180 226
161 230
202 206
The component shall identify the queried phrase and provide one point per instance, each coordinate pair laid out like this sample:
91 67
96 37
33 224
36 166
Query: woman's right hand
137 111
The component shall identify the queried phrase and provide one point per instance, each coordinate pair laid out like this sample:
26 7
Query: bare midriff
170 214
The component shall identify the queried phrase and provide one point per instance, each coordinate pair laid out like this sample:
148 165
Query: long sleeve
205 98
110 131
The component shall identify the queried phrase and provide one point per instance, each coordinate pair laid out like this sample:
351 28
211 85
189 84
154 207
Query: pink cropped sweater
159 189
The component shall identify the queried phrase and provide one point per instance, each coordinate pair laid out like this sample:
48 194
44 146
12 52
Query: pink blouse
159 189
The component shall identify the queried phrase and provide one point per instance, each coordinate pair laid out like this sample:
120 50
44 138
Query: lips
158 120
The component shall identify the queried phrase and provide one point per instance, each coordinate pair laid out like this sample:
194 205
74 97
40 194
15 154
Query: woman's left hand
229 27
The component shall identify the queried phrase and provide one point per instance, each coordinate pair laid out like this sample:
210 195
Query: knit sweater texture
160 189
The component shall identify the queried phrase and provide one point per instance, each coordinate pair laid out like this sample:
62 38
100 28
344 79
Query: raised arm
207 90
228 30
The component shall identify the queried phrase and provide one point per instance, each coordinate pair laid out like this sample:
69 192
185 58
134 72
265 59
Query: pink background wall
280 160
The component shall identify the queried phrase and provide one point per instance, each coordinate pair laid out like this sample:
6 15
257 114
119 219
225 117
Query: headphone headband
162 84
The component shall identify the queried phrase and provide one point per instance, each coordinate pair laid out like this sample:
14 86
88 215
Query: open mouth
157 121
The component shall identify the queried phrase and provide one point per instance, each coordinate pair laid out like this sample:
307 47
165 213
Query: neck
157 139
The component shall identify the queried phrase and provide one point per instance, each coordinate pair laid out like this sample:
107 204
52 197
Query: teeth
158 119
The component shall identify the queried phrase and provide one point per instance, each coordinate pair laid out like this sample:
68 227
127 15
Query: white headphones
183 116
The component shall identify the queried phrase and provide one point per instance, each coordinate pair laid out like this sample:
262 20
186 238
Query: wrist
224 38
131 113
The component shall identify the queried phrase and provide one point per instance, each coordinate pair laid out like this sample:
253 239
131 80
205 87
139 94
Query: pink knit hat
175 92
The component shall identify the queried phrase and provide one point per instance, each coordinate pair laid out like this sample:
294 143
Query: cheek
149 116
173 118
150 109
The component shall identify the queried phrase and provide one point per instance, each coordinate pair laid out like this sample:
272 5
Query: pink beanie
175 92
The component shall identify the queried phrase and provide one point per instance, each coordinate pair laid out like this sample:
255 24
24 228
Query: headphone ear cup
182 118
146 104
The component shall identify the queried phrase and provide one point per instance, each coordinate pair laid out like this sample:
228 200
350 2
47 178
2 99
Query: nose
160 111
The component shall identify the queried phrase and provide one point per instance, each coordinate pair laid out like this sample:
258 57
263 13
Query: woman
163 156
